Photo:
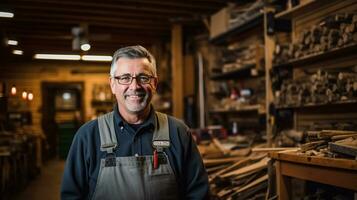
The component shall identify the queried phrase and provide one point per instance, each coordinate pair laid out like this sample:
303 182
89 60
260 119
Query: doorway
62 114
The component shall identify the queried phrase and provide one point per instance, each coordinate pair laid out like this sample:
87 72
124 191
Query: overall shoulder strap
161 136
108 139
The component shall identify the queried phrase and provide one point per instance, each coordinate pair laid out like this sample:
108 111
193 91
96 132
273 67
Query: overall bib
135 177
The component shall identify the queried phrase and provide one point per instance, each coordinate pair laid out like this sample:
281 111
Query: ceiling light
13 90
24 95
7 14
85 47
57 57
30 96
17 52
12 42
96 58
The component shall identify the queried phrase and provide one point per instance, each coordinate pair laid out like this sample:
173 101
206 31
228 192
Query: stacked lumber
331 143
239 177
321 87
335 31
235 174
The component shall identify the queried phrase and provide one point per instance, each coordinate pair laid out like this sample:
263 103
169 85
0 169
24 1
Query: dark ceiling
46 25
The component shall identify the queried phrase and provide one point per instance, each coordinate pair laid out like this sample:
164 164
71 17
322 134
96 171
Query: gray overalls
135 177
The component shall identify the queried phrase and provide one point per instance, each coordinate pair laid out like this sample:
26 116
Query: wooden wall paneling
28 76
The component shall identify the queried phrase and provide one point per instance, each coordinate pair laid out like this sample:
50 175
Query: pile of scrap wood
243 179
331 143
235 174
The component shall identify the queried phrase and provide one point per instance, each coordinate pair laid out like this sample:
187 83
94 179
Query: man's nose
134 83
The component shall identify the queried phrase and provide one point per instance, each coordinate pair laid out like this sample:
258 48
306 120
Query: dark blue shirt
83 161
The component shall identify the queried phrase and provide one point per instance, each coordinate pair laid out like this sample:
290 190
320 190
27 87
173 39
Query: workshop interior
268 89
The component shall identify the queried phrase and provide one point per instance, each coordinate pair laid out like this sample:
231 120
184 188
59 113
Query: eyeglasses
127 79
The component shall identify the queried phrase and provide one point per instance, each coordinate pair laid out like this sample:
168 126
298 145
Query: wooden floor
47 185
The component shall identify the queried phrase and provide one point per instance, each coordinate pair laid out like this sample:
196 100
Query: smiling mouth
135 96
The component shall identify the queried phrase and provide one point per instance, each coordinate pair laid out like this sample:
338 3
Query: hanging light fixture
24 95
13 90
85 47
30 96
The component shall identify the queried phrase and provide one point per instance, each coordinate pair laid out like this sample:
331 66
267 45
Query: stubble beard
137 105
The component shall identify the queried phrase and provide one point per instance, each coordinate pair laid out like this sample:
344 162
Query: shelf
306 7
247 25
332 54
251 108
243 72
318 105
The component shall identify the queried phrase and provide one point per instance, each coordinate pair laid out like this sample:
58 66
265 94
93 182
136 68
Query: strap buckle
160 144
110 160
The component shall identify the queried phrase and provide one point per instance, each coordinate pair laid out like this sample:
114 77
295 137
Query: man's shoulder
88 129
177 123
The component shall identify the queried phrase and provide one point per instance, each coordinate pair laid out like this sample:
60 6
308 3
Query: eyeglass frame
117 78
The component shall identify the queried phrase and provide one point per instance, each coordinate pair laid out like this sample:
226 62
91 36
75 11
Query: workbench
332 171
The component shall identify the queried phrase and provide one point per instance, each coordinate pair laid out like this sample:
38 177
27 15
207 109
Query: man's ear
112 84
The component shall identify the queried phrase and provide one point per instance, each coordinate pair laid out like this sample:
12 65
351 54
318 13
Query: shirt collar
119 121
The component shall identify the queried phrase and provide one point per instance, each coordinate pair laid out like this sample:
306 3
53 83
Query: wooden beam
94 7
119 24
90 18
189 71
177 71
201 6
269 98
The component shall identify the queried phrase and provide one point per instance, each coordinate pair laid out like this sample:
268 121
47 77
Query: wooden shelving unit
348 102
246 71
303 16
330 171
247 25
329 55
251 108
245 39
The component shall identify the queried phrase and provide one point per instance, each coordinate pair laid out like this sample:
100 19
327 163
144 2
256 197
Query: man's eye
125 78
144 78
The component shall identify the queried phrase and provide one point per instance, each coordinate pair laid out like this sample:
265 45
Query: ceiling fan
81 37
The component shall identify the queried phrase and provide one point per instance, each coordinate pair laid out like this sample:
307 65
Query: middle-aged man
134 152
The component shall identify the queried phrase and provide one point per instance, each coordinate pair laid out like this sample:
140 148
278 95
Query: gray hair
133 52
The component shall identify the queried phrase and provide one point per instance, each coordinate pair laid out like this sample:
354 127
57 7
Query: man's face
135 97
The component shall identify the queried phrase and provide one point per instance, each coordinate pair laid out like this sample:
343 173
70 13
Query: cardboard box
219 22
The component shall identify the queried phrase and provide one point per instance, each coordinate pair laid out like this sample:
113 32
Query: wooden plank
282 182
189 71
341 178
289 13
212 162
254 167
314 160
236 165
269 44
177 71
254 183
343 148
221 148
274 149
